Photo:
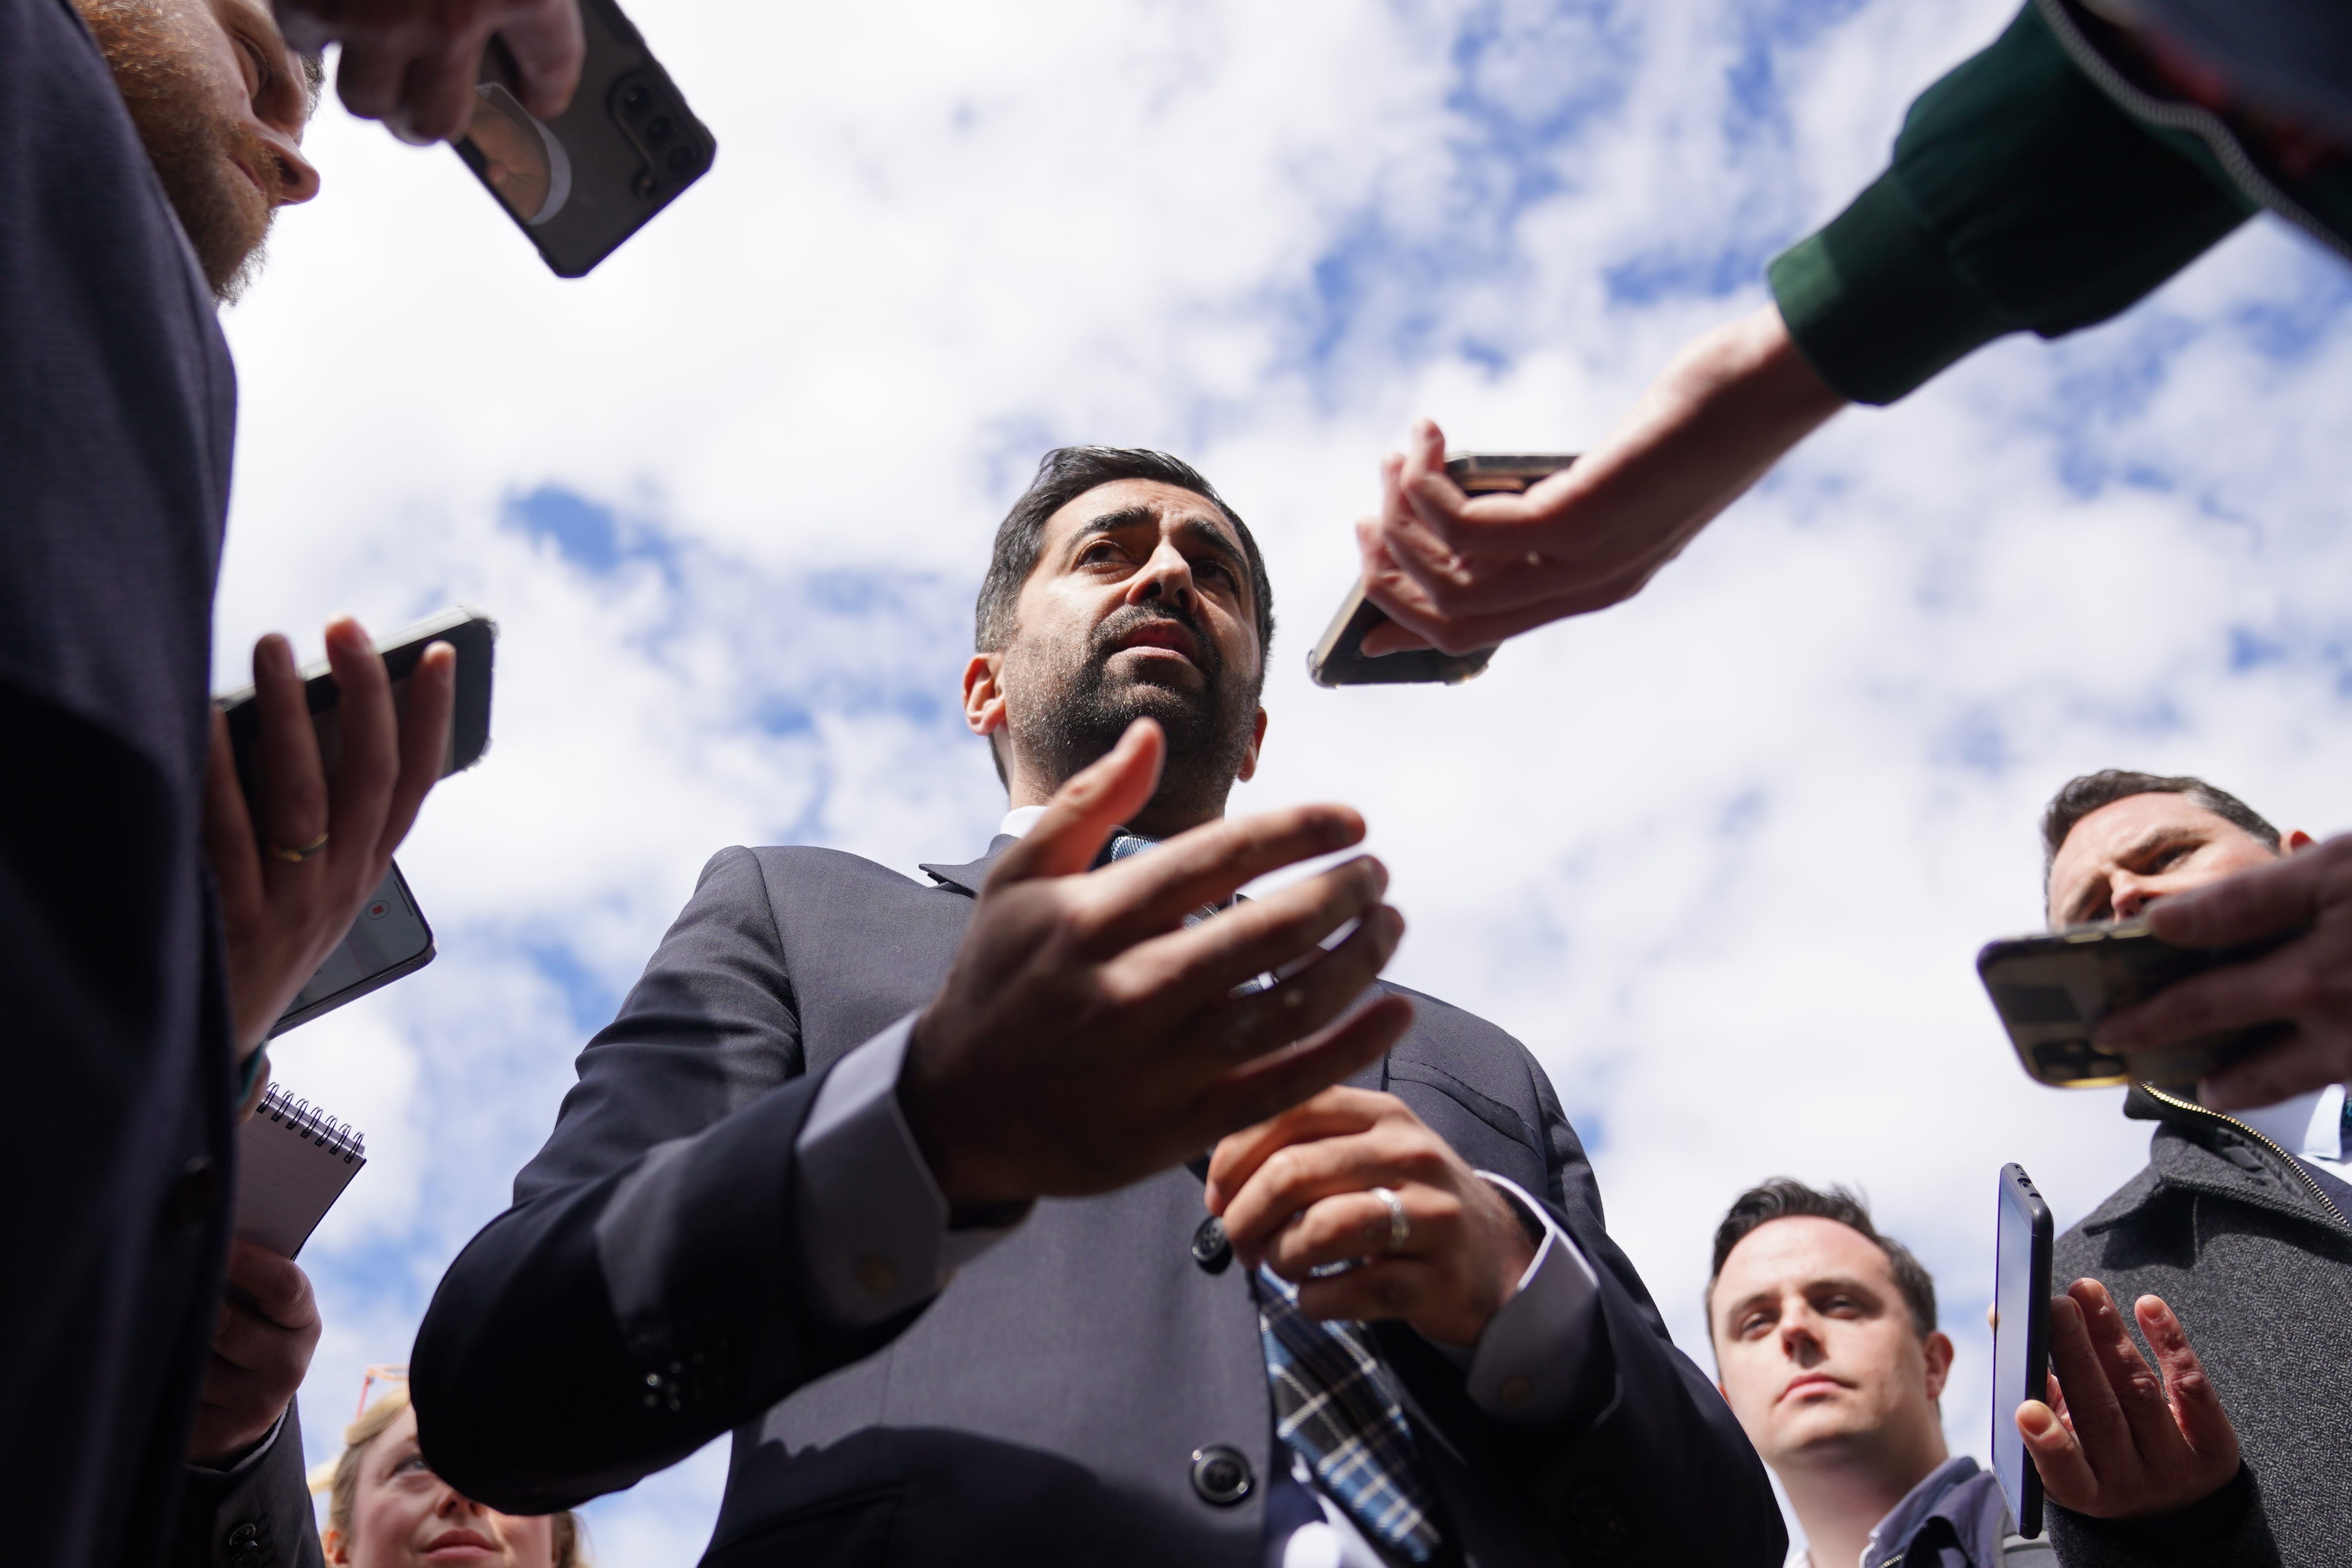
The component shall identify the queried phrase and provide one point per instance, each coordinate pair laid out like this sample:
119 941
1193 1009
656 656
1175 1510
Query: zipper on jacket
2202 123
2292 1162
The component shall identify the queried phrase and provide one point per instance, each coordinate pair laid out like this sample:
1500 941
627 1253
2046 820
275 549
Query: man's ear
1938 1347
2299 839
983 698
1257 740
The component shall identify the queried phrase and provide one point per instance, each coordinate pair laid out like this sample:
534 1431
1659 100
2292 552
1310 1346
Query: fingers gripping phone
389 938
2020 1338
580 184
1337 657
2052 989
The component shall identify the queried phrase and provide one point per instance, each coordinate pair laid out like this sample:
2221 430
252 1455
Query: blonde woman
386 1510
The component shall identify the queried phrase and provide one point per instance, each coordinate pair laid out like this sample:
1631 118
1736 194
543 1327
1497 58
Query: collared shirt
873 1230
2309 1125
1975 1521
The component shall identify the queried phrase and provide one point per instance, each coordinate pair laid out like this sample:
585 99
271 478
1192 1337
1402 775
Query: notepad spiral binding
313 1123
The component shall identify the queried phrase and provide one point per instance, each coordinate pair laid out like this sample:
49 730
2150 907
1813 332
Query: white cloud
1721 857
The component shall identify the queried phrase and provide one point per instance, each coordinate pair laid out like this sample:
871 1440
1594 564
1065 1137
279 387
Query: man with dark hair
1071 1209
1826 1348
151 931
2240 1221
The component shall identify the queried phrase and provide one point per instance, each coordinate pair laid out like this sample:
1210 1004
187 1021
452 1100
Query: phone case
1337 657
2021 1349
474 635
390 939
2052 990
579 185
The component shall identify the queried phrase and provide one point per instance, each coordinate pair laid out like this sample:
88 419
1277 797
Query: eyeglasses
388 1372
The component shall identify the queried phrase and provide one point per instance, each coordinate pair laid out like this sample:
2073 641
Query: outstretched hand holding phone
412 63
292 882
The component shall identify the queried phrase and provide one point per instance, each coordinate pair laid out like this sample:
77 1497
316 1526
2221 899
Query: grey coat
2255 1259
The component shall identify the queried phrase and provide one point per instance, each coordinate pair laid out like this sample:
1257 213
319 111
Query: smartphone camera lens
681 159
634 100
644 184
657 131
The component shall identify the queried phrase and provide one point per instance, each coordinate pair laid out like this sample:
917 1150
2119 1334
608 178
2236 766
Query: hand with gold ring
292 882
1352 1177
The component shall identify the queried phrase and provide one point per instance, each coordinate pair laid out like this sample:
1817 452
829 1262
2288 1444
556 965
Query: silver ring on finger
1399 1223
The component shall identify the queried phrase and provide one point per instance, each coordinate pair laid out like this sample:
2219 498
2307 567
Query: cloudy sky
1721 857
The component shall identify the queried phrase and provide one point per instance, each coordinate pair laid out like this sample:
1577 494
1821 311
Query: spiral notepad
293 1162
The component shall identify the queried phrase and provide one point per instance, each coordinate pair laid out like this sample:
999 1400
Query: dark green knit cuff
1872 301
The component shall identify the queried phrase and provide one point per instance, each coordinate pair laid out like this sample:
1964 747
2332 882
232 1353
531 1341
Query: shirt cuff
871 1220
247 1460
1523 1369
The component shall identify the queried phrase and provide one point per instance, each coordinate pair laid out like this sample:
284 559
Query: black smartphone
2052 990
579 184
2020 1338
389 940
1337 657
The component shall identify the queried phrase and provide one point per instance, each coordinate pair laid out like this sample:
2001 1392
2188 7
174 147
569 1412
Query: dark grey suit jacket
644 1295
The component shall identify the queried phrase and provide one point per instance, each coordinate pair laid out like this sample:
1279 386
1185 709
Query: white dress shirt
873 1230
2309 1125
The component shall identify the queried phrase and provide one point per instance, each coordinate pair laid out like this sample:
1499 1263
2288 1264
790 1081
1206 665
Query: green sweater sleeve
2020 196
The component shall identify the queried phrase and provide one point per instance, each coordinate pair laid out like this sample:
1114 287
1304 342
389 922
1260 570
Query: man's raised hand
2120 1439
2307 982
412 63
1085 1038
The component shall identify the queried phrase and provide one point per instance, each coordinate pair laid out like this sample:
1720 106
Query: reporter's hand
1460 573
412 63
2116 1439
2308 982
1085 1038
259 1357
283 916
1295 1193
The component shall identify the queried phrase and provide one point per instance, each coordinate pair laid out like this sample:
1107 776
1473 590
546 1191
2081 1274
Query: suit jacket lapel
967 878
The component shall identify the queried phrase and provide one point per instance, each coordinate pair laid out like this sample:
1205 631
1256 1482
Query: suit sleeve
255 1515
644 1292
2228 1529
1647 1464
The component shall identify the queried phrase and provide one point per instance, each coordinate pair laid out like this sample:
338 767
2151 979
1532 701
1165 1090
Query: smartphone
2020 1338
1337 657
579 184
2052 990
389 940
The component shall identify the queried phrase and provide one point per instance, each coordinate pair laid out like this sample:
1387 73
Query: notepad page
293 1162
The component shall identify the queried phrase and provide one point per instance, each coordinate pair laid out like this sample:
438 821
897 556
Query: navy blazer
644 1295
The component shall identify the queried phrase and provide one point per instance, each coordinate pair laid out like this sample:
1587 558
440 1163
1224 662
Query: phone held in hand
2050 990
2020 1338
1337 657
580 184
389 938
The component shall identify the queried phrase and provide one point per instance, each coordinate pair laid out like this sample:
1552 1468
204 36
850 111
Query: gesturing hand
1297 1194
412 63
289 893
258 1355
1086 1037
2307 982
1461 572
2117 1440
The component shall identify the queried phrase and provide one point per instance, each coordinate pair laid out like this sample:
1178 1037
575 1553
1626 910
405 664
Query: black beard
1208 730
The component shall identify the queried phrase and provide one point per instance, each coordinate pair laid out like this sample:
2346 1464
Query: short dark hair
1064 475
2081 796
1785 1197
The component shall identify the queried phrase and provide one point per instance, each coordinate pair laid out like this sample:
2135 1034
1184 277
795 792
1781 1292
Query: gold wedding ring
1400 1225
298 856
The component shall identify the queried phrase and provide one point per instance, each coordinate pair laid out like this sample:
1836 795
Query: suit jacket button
244 1535
1210 1250
1221 1475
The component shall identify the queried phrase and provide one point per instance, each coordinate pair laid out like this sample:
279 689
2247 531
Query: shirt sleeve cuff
1523 1369
871 1220
247 1460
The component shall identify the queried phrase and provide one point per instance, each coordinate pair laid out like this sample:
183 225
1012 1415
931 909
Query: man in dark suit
910 1187
137 986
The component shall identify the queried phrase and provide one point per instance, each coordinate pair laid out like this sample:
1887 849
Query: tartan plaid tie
1330 1405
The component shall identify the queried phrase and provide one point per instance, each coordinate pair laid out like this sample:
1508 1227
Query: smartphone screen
579 184
390 939
2020 1353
